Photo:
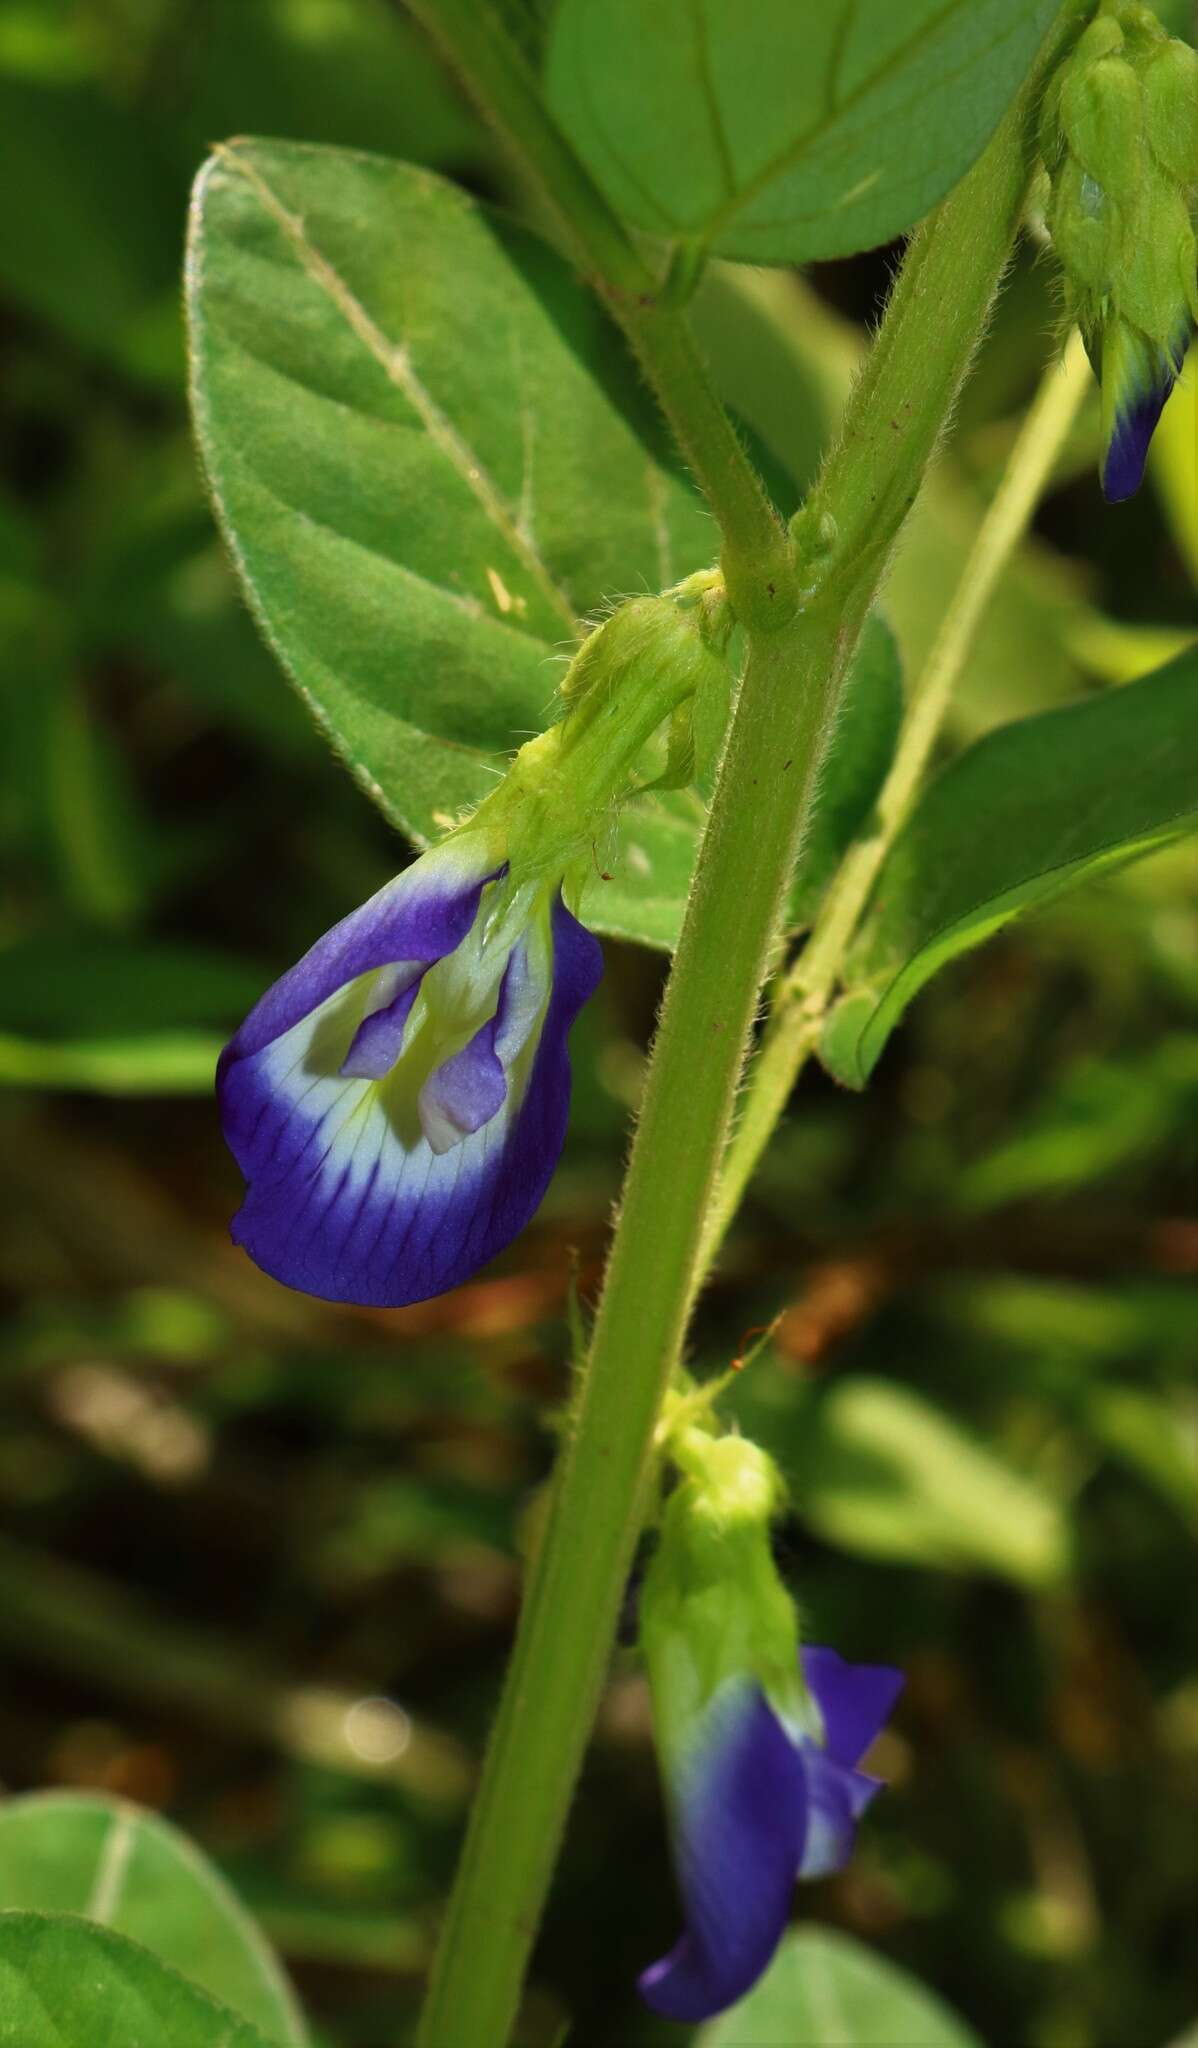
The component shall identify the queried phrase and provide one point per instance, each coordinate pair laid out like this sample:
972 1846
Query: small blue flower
1137 376
759 1801
398 1100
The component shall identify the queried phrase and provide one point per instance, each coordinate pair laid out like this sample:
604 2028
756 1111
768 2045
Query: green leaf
1096 1118
824 1990
94 255
144 1063
130 987
860 754
1155 1436
886 1474
431 458
103 1859
1033 809
65 1983
821 131
334 71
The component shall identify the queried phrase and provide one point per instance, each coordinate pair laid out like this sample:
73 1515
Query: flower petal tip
740 1816
1142 374
757 1806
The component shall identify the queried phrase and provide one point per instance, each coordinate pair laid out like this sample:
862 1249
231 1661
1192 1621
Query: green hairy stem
797 1019
801 600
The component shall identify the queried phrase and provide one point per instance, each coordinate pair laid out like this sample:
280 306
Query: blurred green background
259 1557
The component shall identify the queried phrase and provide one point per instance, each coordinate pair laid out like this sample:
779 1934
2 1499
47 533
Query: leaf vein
395 360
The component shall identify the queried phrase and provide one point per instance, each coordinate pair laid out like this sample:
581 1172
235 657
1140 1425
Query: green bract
712 1607
1119 138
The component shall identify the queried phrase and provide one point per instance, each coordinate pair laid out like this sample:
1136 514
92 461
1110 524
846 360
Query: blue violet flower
398 1100
1137 376
758 1802
760 1741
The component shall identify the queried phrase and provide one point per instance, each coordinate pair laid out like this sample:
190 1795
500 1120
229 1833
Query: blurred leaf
426 473
344 71
1032 809
150 1063
40 40
1120 653
1155 1436
858 758
885 1474
761 336
50 986
117 1865
1089 1327
822 132
1173 465
1096 1117
67 1984
1023 660
102 839
89 223
158 1325
825 1990
194 631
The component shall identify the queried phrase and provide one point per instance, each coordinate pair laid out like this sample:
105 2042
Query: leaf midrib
395 361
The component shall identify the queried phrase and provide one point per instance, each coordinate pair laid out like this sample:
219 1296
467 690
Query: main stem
495 72
795 665
795 1026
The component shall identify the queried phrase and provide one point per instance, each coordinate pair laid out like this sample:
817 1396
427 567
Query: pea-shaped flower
398 1101
760 1744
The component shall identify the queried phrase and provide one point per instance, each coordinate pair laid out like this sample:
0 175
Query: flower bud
1171 110
1102 115
628 680
759 1745
1119 141
713 1607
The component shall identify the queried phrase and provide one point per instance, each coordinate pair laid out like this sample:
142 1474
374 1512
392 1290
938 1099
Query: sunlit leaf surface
67 1984
129 1871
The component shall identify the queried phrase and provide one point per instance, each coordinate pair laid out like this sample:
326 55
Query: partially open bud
1119 140
759 1743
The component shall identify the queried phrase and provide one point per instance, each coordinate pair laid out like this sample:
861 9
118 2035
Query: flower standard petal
740 1813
